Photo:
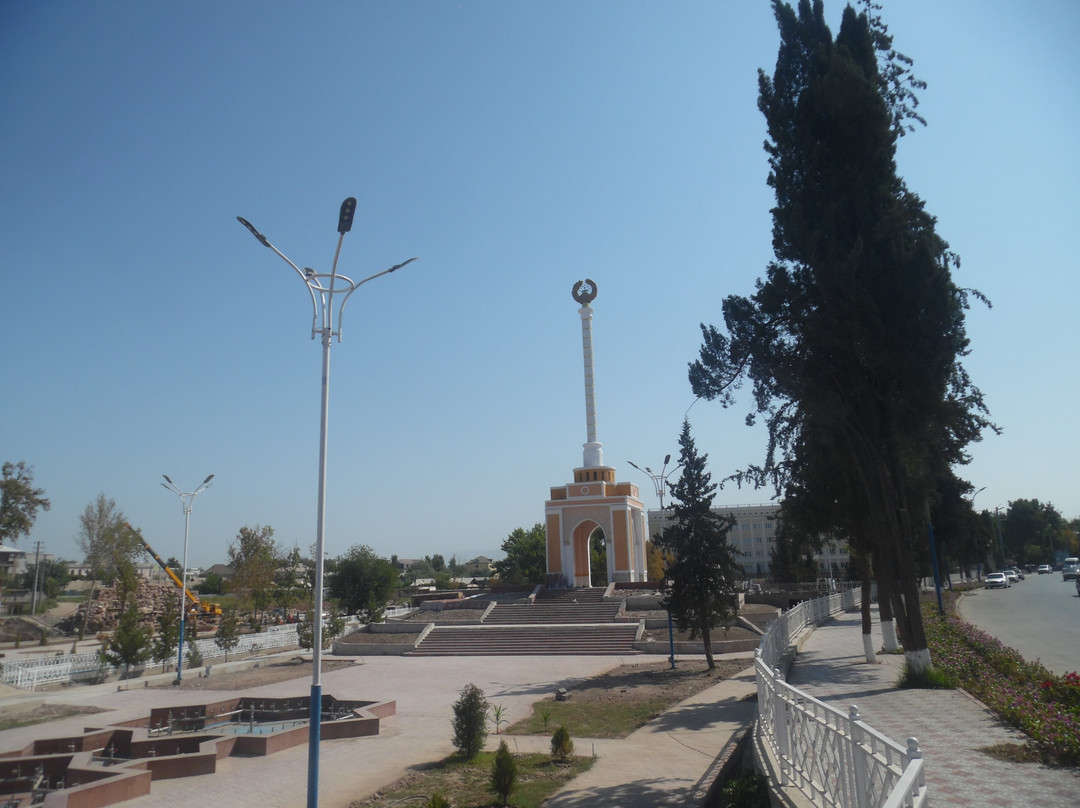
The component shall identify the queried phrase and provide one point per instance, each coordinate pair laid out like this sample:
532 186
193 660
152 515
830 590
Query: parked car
1019 573
996 580
1012 577
1044 569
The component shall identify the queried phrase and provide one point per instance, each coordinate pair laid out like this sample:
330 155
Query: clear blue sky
515 148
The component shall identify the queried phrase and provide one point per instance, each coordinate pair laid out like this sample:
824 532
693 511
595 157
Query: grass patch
931 679
467 784
589 719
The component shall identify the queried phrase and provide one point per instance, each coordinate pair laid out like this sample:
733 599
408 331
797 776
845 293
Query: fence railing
29 674
833 759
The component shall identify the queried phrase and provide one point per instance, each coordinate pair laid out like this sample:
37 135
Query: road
1039 617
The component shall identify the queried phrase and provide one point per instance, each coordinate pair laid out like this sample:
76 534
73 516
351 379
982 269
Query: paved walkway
661 764
664 763
950 725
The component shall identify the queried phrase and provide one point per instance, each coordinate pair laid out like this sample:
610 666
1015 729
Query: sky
514 148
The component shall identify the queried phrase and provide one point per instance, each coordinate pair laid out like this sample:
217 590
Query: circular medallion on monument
585 291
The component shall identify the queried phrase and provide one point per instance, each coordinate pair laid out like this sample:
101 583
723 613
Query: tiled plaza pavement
951 726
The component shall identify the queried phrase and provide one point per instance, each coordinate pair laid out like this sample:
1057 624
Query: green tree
470 721
700 587
168 631
130 644
526 556
562 747
211 584
362 582
290 580
854 339
1028 530
305 629
253 557
504 773
191 638
51 575
228 632
19 501
107 540
598 558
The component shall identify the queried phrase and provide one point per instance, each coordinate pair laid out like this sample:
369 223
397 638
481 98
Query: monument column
593 455
594 500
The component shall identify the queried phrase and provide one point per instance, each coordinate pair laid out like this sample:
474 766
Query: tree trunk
867 621
706 640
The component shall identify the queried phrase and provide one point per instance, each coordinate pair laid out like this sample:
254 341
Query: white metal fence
832 758
28 674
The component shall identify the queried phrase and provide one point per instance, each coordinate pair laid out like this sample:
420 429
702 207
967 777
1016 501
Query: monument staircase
555 622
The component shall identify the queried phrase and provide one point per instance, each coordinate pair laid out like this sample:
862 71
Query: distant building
12 560
223 571
479 567
81 570
754 536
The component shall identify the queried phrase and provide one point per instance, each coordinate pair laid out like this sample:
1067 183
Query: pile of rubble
103 612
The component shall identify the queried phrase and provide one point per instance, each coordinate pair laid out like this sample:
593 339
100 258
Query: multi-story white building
754 537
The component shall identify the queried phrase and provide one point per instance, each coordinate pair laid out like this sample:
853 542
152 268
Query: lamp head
254 232
166 476
348 209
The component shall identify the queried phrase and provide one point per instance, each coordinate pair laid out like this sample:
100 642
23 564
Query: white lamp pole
659 483
187 499
321 286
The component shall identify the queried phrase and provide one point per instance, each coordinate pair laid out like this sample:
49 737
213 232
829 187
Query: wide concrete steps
594 594
528 640
539 613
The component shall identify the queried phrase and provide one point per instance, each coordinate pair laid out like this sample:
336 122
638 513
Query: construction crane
197 606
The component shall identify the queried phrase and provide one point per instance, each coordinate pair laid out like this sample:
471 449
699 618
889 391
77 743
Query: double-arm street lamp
187 499
322 287
660 484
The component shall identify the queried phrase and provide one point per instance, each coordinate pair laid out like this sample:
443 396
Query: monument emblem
585 291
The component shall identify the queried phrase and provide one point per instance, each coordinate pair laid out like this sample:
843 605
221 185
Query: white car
1044 569
1011 576
996 580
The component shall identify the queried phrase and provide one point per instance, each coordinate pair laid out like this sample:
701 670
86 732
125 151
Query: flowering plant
1042 705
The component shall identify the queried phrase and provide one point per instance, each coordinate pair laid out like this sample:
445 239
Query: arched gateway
594 500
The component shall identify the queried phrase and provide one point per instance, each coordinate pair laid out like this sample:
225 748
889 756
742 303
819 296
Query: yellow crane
197 606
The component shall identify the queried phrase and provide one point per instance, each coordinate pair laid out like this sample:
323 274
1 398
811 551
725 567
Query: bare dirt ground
266 674
21 715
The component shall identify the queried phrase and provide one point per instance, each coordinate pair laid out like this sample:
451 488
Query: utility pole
37 572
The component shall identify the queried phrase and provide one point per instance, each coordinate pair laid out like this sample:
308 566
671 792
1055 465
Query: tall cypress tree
700 580
853 340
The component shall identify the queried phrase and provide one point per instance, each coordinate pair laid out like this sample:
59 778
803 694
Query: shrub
748 790
503 773
470 721
561 745
194 656
438 801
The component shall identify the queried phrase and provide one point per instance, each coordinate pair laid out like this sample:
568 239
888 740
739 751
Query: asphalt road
1039 617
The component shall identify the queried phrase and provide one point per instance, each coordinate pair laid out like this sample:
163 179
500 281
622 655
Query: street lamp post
660 483
321 286
187 500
